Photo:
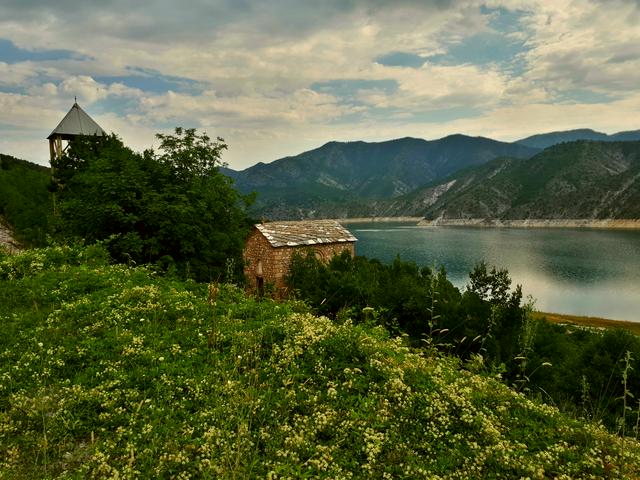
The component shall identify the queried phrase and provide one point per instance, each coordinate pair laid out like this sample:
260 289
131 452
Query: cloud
277 77
573 45
350 90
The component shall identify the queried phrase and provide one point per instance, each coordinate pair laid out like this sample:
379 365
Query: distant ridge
582 180
415 177
546 140
336 173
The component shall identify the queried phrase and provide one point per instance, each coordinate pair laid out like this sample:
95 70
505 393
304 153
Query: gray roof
76 122
311 232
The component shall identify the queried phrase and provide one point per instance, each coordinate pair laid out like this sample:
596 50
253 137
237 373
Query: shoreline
586 321
604 224
619 224
379 220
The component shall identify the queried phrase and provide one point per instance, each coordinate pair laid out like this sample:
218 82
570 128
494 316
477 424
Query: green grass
108 371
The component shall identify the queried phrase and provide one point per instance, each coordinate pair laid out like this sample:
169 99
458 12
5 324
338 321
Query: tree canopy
170 206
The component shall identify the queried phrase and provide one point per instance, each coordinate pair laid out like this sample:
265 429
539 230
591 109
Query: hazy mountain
545 140
578 180
314 182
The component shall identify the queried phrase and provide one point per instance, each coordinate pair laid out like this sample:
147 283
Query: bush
578 369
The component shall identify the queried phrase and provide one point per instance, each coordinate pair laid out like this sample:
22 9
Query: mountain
578 180
317 182
545 140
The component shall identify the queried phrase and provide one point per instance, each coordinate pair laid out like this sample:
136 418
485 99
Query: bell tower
76 122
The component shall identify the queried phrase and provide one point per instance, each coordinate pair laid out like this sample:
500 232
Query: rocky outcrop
7 241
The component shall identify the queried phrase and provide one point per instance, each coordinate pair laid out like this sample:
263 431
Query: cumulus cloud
585 44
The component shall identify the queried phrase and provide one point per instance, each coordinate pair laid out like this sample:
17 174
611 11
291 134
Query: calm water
581 272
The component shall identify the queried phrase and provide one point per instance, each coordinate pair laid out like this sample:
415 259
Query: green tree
190 155
172 206
405 297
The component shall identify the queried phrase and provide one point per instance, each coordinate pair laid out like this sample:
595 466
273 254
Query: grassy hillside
24 200
111 371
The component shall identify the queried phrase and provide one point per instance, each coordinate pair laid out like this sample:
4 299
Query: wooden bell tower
75 123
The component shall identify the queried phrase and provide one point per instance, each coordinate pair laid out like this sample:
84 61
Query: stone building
270 247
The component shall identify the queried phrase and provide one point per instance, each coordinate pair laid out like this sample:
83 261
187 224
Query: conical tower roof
76 122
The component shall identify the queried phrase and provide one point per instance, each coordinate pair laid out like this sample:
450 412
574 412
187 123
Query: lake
573 271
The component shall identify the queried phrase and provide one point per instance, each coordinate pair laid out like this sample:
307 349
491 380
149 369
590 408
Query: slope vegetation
578 180
24 199
112 371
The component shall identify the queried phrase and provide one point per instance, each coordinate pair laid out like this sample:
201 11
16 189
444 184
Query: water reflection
582 272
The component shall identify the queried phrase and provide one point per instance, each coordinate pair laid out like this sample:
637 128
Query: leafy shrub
577 369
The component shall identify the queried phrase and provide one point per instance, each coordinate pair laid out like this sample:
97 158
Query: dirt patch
6 239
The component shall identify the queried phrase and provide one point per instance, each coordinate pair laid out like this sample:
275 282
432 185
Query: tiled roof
76 122
291 234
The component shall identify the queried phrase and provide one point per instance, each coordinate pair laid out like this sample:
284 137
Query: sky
276 78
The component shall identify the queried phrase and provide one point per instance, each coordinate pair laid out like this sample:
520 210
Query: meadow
119 371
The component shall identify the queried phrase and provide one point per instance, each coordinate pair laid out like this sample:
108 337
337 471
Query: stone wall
275 261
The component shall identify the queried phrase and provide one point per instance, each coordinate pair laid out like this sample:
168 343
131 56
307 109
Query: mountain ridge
578 180
545 140
348 172
357 178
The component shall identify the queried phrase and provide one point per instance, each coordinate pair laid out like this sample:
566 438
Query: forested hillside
454 177
25 202
578 180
